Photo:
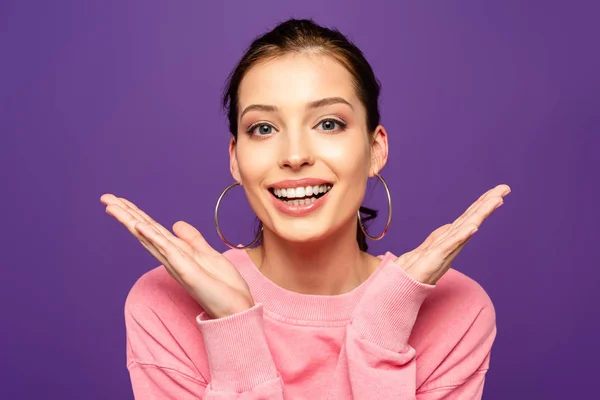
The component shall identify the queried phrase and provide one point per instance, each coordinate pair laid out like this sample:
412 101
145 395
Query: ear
233 163
379 150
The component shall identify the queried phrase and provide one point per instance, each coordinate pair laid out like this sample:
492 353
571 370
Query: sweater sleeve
461 374
154 382
377 362
240 362
159 368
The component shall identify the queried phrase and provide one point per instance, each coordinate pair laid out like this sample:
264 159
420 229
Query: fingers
449 246
143 217
164 231
445 243
500 191
192 236
407 259
434 235
130 223
476 216
456 236
479 210
453 254
178 262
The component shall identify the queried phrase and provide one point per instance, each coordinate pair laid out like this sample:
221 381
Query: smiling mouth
301 195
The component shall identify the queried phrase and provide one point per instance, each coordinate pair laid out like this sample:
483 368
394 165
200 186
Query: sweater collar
286 304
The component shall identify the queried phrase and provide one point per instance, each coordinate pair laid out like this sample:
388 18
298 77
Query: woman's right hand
207 275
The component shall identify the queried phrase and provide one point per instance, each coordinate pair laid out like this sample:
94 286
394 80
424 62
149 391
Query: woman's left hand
430 261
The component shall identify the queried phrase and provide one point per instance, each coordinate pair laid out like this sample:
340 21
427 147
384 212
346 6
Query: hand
205 274
430 261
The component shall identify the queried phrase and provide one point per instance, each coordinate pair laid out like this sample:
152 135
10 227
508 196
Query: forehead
295 79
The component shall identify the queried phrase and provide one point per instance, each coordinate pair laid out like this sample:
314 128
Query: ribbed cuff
388 310
237 350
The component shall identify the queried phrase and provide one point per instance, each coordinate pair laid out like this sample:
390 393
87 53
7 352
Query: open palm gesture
205 273
430 261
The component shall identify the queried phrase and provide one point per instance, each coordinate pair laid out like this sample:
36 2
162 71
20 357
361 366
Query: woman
307 314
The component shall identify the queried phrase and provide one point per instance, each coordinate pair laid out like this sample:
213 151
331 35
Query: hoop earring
219 229
389 218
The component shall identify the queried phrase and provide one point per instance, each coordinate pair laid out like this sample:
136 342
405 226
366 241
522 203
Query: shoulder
160 320
155 289
454 331
458 292
457 305
160 325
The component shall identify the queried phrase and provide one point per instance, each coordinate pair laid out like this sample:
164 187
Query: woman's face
290 149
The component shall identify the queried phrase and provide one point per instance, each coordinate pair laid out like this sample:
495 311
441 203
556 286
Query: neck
330 266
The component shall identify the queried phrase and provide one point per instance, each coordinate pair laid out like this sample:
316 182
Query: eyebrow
309 106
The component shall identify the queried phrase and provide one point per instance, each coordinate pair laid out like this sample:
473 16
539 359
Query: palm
432 259
206 274
217 284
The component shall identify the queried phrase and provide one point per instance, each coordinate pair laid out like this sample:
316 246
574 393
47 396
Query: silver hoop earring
219 229
389 218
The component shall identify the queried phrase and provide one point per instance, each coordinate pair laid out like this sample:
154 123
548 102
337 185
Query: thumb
192 236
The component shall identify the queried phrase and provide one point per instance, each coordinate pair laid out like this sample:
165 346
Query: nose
296 151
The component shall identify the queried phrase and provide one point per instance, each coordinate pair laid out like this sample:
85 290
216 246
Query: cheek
347 157
252 166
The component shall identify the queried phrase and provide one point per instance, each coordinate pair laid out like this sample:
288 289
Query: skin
317 253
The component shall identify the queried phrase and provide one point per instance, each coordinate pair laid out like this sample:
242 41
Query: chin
302 231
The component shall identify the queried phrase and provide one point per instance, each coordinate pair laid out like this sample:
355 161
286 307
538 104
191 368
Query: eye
329 124
264 129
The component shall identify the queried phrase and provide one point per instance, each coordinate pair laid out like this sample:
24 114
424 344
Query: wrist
236 310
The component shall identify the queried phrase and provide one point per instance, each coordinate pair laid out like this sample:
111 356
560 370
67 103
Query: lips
300 197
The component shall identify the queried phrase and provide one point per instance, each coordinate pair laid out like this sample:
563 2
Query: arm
461 374
377 361
153 382
159 366
240 363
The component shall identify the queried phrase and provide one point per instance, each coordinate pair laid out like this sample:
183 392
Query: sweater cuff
388 310
237 350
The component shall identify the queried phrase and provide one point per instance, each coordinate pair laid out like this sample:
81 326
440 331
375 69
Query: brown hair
299 36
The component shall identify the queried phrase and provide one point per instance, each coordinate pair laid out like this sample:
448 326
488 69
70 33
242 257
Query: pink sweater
392 337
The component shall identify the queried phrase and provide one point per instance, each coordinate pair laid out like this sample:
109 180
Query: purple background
123 97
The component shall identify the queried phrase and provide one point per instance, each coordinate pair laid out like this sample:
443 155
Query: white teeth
301 202
300 192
